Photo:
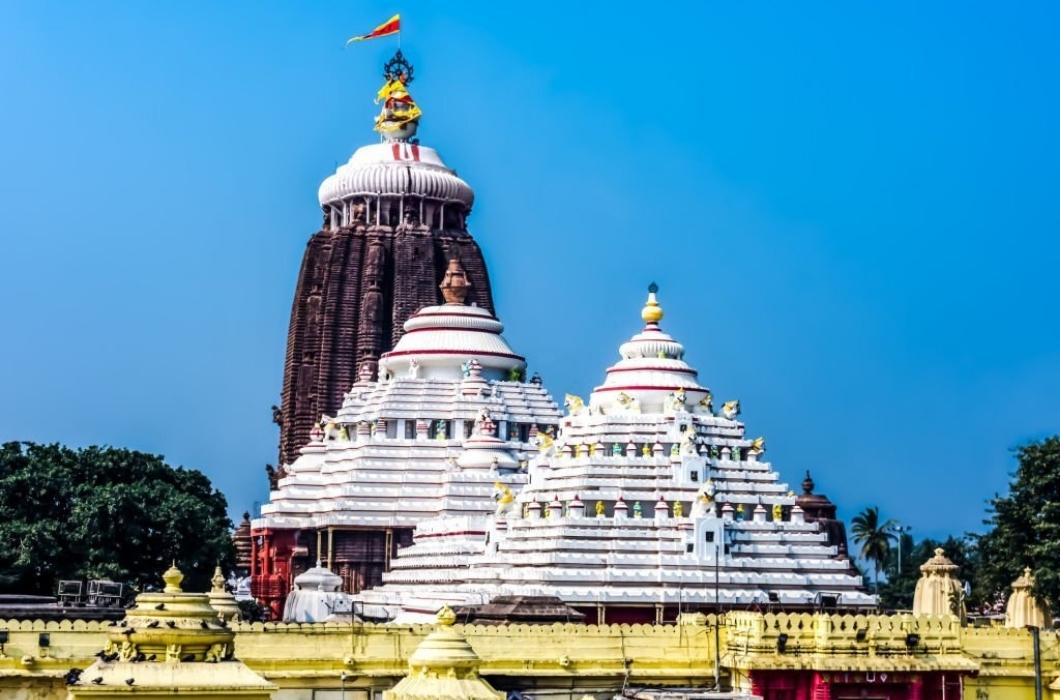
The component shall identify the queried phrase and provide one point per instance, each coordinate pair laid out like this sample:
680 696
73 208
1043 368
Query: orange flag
387 28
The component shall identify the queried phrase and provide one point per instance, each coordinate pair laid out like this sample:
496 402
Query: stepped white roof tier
448 416
643 492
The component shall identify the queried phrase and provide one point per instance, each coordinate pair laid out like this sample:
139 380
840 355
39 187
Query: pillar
389 549
916 687
822 689
331 545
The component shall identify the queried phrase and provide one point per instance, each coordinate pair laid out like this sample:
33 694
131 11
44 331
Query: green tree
102 512
875 539
1025 528
897 592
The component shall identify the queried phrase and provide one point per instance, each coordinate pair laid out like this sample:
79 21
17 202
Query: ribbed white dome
442 338
395 169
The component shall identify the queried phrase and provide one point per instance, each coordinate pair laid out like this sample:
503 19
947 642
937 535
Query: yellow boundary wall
307 661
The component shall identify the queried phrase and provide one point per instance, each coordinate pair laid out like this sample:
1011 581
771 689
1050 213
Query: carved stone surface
355 289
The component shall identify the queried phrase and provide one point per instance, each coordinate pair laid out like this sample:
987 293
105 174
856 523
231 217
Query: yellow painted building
328 661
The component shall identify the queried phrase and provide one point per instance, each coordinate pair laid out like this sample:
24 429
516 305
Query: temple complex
447 418
393 218
647 504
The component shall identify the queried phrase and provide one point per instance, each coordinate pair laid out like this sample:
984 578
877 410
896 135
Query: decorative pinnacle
652 312
398 68
446 617
218 581
455 284
173 576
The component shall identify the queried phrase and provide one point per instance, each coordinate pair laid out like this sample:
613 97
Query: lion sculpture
504 498
631 404
574 404
731 409
704 500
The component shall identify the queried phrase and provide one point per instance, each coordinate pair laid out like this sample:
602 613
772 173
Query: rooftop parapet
846 642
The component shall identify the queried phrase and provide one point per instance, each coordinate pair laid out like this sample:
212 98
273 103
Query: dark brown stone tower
393 217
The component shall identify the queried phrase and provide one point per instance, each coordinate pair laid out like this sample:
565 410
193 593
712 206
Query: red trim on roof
451 534
451 314
652 369
649 388
457 353
458 330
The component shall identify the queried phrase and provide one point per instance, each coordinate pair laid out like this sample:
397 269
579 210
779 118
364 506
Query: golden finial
173 577
652 312
445 617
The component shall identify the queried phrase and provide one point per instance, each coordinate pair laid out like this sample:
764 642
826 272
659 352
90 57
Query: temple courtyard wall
781 655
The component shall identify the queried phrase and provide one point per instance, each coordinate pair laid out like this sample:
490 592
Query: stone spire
937 587
393 216
1023 609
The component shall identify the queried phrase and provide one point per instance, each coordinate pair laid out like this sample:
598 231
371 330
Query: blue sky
850 209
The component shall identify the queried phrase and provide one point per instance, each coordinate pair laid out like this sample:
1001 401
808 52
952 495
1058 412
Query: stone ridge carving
356 288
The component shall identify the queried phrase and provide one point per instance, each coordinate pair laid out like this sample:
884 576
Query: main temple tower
393 217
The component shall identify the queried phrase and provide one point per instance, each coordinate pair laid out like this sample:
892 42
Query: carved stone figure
675 402
504 498
574 404
630 404
688 442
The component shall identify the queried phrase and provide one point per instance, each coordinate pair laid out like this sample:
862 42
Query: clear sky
851 210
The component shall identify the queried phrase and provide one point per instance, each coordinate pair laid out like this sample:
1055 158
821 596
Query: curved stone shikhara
644 490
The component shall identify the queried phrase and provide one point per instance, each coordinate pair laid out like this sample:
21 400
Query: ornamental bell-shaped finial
652 313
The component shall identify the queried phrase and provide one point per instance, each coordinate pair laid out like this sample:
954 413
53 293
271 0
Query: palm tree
875 539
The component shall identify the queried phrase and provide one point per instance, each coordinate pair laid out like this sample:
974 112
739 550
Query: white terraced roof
615 559
383 462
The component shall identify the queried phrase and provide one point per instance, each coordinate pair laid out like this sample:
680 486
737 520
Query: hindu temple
393 217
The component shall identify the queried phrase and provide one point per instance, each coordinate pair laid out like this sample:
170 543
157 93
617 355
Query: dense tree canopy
107 513
1025 527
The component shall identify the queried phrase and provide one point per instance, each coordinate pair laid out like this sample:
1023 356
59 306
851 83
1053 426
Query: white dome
318 578
395 169
651 369
440 339
487 452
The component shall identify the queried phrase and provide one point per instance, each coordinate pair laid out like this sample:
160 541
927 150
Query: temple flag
387 28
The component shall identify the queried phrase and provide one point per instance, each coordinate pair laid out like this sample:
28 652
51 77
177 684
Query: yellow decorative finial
173 576
218 580
446 617
652 312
